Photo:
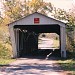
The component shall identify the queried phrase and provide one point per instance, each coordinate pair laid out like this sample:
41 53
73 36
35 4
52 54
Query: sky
63 4
1 5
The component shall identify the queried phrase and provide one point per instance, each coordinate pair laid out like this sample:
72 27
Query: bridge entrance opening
38 39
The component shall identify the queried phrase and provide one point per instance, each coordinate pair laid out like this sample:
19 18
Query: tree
1 18
39 6
15 10
12 10
61 14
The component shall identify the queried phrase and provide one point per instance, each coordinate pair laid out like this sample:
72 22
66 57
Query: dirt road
45 43
32 66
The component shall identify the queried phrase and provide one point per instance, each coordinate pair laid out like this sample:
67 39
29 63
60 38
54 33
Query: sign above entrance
36 20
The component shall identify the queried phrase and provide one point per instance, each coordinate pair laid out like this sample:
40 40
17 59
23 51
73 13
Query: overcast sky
63 4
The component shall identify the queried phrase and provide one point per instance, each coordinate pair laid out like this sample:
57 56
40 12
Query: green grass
6 61
56 43
67 65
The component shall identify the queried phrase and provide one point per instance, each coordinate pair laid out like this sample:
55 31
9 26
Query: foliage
4 35
15 9
70 44
38 5
5 62
5 44
12 10
67 65
4 52
69 18
61 14
1 20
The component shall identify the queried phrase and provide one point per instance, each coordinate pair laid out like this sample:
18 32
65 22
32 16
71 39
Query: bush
4 52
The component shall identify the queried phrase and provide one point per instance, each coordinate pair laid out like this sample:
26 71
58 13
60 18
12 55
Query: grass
56 43
6 61
67 65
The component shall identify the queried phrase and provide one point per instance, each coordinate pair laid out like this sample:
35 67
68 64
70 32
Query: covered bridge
33 25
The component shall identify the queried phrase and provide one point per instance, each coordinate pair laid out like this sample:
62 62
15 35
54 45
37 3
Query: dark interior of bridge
28 39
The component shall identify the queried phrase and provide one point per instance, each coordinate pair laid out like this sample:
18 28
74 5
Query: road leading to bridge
32 66
45 43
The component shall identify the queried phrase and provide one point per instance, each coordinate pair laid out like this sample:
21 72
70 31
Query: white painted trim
17 40
63 41
12 35
44 20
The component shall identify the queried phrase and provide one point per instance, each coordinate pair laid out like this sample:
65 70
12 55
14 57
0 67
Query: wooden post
12 35
17 40
63 41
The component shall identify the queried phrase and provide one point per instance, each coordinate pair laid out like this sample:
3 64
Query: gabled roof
39 14
50 17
